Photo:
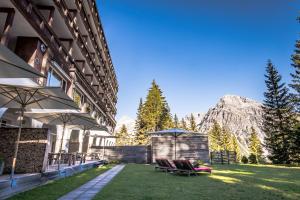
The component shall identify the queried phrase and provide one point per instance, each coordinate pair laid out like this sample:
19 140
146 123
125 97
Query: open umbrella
12 66
65 118
175 132
32 97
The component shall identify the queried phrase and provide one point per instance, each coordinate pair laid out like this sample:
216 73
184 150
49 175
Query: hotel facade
65 41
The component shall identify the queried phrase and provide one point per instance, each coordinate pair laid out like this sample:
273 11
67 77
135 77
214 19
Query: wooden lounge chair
165 165
184 166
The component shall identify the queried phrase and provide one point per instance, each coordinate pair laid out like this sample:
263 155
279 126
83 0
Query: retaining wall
33 149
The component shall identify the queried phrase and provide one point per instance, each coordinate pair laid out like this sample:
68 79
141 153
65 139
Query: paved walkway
91 188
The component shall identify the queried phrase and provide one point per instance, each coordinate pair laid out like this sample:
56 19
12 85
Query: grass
58 188
226 182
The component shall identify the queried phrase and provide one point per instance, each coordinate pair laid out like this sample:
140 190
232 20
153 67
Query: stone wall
33 149
187 147
127 154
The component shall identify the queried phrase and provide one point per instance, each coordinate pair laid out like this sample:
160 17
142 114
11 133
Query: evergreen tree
183 124
176 121
255 146
140 136
192 122
154 115
295 85
166 120
215 137
234 146
122 136
295 144
226 139
277 117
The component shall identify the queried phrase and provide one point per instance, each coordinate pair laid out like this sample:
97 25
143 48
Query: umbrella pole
61 143
17 143
175 146
103 147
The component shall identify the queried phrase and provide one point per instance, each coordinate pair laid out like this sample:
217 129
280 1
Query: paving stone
91 188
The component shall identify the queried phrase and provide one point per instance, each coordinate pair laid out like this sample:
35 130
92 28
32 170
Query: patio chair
184 166
164 164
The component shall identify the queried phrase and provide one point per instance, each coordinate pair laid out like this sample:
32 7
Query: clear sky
195 50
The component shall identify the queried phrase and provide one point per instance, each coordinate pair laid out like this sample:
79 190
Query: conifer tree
295 85
255 146
166 120
183 124
226 139
122 136
176 122
140 136
215 137
277 117
192 122
154 114
235 147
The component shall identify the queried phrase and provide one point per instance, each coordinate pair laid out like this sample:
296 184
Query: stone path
91 188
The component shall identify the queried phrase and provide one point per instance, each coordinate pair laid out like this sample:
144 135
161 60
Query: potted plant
1 165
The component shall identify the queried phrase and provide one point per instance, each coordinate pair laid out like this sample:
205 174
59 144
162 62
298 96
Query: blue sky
197 51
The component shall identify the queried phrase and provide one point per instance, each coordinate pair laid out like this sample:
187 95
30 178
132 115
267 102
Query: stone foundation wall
33 149
187 147
127 154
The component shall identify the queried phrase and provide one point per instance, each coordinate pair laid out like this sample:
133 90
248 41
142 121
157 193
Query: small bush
244 160
198 163
252 159
115 162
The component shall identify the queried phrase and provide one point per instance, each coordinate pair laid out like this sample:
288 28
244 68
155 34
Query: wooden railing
223 157
66 158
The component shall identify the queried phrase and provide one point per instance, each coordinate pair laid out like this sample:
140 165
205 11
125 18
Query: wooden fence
223 157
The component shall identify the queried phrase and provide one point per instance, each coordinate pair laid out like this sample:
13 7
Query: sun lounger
184 166
165 165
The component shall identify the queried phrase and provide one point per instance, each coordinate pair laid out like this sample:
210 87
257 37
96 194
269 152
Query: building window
54 80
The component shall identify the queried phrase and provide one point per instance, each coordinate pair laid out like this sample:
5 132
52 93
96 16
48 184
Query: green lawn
58 188
226 182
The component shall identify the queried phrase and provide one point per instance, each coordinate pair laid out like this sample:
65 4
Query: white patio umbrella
175 132
33 97
65 118
12 66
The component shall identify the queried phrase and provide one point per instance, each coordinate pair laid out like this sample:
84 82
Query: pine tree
295 85
154 114
176 122
215 137
192 122
225 139
183 124
255 146
140 136
234 146
277 117
122 136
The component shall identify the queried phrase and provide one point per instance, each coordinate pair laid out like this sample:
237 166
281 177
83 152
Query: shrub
198 163
244 160
252 159
115 162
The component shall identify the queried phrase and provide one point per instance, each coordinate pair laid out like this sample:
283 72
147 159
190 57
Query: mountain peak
239 115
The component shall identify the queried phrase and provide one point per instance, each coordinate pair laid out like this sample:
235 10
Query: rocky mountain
238 114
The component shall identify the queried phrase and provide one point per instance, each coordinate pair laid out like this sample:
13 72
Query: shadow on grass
226 182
